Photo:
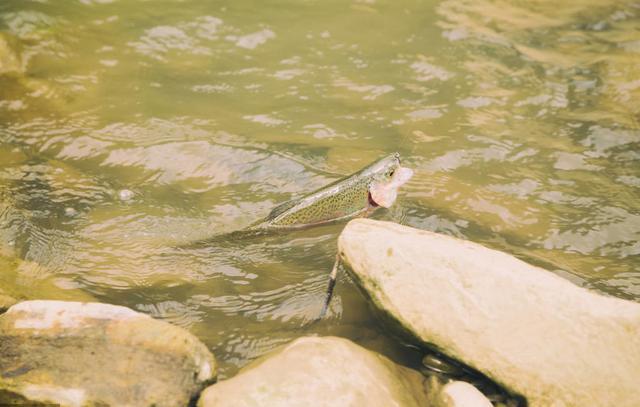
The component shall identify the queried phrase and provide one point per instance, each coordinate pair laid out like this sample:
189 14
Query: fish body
373 186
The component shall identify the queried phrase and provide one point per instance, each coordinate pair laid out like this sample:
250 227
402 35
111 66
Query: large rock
329 371
77 354
533 332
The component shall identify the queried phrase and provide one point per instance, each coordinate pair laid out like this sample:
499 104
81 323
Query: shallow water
130 128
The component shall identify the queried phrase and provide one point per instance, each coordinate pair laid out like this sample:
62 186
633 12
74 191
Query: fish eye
391 172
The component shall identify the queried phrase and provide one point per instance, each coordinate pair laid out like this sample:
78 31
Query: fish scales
373 186
347 197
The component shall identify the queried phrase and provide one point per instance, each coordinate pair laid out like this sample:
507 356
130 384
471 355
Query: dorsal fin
283 207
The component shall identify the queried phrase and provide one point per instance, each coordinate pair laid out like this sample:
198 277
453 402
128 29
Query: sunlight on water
131 128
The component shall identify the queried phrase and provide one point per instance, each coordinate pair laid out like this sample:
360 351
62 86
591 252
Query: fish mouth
372 202
385 193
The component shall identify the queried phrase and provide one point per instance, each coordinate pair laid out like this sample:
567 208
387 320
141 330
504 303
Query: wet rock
460 394
10 62
125 195
431 364
315 371
77 354
6 301
528 329
28 280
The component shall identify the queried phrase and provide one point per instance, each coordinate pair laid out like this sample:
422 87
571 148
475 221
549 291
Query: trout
356 195
374 186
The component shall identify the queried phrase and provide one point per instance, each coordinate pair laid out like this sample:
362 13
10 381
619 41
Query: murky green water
521 119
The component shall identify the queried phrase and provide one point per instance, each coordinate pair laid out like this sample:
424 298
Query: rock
528 329
460 394
313 371
125 195
28 280
77 354
335 372
6 301
10 62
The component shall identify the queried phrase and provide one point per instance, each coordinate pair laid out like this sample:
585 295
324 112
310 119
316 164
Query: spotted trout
356 195
374 186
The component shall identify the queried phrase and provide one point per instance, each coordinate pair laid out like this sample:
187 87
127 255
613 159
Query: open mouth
385 193
373 203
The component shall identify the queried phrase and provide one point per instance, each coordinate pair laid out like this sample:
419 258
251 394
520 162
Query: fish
372 187
359 194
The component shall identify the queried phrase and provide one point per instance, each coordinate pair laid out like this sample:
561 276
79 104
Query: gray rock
328 371
529 329
78 354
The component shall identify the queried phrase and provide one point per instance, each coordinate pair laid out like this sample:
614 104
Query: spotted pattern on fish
345 198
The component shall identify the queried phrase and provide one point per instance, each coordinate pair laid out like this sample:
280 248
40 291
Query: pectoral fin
280 209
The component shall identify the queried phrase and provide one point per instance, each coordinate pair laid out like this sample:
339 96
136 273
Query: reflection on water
128 130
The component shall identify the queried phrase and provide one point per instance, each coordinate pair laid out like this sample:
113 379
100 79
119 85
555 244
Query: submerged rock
528 329
27 280
77 354
10 62
6 301
329 371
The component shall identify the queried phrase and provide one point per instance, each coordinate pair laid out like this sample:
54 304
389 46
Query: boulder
530 330
77 354
325 371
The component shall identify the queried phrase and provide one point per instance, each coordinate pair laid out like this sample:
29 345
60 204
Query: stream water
128 128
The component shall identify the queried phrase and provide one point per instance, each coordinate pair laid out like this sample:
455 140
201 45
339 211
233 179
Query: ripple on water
187 38
518 117
253 40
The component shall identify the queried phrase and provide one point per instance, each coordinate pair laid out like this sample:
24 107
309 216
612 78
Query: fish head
387 175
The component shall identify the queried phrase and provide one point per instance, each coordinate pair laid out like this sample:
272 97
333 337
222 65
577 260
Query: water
130 128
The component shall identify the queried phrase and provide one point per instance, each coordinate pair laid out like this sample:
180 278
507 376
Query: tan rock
330 371
313 371
77 354
460 394
530 330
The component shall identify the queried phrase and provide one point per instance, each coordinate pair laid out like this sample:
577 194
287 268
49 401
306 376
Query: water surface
130 127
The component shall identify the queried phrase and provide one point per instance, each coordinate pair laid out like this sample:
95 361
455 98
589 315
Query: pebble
435 364
125 194
69 211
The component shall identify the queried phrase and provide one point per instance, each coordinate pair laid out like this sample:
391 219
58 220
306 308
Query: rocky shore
330 371
537 335
89 354
528 329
